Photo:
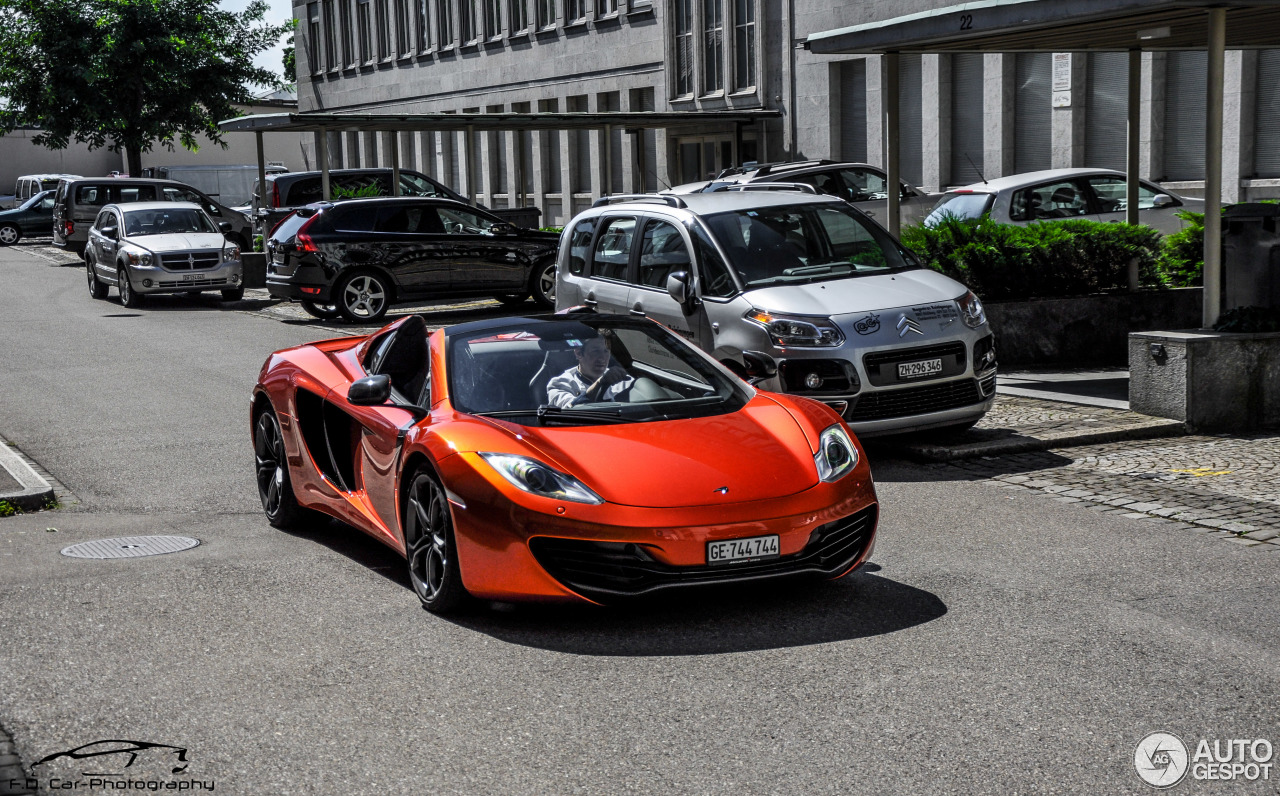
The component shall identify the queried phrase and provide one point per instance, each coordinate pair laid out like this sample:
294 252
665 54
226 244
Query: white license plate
735 551
915 370
191 277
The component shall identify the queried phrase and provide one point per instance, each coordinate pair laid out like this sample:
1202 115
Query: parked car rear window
286 229
962 206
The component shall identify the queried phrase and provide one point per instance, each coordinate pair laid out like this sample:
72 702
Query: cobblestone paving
1228 486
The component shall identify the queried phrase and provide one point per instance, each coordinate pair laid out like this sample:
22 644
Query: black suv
356 258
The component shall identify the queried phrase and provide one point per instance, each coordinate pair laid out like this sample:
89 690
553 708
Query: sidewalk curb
36 492
935 452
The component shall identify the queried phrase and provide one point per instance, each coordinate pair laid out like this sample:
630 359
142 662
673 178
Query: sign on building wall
1062 80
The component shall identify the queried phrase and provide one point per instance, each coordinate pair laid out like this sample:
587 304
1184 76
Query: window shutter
1107 111
853 110
1184 111
1033 117
967 137
1267 115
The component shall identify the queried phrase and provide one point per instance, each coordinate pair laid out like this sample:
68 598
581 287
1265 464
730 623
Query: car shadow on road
889 465
733 618
205 302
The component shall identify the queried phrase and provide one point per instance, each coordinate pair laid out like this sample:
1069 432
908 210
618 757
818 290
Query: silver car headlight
537 478
836 455
138 256
971 310
230 253
796 330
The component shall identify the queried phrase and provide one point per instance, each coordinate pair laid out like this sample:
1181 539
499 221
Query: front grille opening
918 400
611 570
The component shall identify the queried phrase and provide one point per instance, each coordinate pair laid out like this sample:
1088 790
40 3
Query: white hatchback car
1058 194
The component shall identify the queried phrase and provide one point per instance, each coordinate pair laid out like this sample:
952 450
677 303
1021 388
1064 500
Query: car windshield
960 206
586 371
805 243
166 222
33 201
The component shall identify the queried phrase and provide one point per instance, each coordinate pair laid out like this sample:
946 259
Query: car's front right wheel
542 284
128 298
430 547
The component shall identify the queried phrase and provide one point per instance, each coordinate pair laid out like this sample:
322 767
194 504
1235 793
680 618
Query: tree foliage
127 74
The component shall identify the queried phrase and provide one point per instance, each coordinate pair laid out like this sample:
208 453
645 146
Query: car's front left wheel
9 234
430 548
233 294
272 465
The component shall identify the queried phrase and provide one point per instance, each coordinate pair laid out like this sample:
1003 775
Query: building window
518 16
606 8
402 27
493 19
348 49
546 13
744 44
313 38
467 21
383 21
424 25
330 37
444 24
712 46
684 47
576 10
365 31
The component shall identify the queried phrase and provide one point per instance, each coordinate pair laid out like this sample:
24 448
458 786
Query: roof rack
668 199
801 187
771 168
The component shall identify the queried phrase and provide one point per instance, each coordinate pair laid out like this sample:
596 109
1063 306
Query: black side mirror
678 286
225 227
370 391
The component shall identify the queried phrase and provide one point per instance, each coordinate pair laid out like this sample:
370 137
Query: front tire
542 284
233 294
128 298
275 489
430 548
9 234
511 299
362 297
325 312
97 290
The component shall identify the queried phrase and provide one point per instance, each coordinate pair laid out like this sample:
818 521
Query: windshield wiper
547 413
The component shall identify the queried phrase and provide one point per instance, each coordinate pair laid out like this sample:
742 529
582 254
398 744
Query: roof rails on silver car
667 199
773 186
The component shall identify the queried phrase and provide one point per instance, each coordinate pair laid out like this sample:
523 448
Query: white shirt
570 388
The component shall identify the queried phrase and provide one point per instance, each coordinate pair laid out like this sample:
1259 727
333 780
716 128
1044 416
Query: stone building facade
963 115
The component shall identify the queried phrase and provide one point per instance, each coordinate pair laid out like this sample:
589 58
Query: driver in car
592 379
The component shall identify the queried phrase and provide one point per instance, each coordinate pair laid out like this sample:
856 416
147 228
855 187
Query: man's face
593 358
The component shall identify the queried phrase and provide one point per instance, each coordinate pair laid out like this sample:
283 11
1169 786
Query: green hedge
1062 258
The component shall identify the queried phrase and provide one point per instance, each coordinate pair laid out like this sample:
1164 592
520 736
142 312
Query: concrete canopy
1073 26
423 122
1058 26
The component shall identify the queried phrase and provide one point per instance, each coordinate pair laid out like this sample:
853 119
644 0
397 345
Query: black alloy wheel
97 289
362 297
9 234
429 546
272 464
128 298
542 284
233 294
325 312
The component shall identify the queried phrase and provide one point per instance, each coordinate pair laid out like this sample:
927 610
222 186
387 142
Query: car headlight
971 310
230 253
792 330
137 257
836 454
537 478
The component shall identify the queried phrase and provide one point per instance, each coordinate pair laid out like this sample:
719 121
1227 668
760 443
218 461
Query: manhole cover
130 547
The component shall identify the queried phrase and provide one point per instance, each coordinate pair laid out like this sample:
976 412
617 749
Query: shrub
556 230
363 192
1010 262
1182 260
1249 320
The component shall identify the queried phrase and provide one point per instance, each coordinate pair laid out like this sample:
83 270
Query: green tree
127 74
287 57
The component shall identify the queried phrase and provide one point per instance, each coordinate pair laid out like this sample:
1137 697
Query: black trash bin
1251 256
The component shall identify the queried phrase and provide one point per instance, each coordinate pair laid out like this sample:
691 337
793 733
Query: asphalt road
1001 643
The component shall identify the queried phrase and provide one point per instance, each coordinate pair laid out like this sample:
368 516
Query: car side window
579 242
714 275
357 218
1061 199
1112 197
413 185
47 202
462 222
662 253
137 193
409 219
612 252
107 223
862 185
90 195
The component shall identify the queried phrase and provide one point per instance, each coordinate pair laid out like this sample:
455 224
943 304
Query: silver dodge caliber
798 293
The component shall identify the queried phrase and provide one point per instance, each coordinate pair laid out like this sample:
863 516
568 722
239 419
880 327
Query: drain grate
130 547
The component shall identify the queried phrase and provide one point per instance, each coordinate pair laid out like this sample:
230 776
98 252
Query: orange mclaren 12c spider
574 457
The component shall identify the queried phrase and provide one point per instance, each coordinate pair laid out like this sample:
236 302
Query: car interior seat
1064 200
555 362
